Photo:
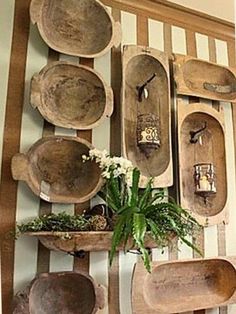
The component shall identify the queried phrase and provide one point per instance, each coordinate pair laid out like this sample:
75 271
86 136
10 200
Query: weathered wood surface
85 240
139 64
200 78
183 286
79 28
54 170
62 292
191 118
72 96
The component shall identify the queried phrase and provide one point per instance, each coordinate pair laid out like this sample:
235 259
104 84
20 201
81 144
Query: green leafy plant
139 212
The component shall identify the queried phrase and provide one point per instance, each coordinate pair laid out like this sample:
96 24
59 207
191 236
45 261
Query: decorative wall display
204 79
53 168
202 162
82 28
70 95
85 240
182 286
146 139
61 292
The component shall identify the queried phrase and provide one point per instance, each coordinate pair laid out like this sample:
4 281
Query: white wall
219 8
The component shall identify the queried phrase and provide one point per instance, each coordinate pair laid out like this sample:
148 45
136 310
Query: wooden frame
63 27
191 118
72 96
54 170
64 292
139 64
184 286
195 77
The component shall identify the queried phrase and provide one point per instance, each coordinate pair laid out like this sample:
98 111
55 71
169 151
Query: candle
204 184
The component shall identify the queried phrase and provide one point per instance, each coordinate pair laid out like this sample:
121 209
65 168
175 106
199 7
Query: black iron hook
194 135
141 88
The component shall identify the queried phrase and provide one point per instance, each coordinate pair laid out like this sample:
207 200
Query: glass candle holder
148 133
204 178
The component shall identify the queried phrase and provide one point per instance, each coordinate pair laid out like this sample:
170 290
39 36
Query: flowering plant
139 211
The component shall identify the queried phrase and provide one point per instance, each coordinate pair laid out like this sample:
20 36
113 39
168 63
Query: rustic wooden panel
11 144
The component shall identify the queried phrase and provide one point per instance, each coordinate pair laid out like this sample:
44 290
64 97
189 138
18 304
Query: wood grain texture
198 237
142 30
83 264
177 15
11 145
115 122
43 256
113 286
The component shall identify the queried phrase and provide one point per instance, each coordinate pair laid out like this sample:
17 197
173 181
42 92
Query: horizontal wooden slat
174 14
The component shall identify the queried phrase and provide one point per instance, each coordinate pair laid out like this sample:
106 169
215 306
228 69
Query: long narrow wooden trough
62 292
70 95
146 136
54 170
82 28
208 147
204 79
182 286
87 241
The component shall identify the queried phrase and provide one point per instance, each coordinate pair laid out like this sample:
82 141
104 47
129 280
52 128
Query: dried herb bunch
56 222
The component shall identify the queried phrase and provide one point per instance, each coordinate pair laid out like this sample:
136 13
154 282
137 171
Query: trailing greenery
140 212
55 222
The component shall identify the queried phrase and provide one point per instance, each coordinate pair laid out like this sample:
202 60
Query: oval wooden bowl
85 241
62 292
139 64
54 170
191 117
82 28
200 78
70 95
184 286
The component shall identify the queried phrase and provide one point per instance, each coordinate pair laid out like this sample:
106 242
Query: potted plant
136 216
139 212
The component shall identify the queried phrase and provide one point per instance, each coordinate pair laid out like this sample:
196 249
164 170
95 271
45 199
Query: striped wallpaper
22 53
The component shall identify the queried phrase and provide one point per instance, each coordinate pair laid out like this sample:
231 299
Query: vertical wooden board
155 34
11 145
221 57
130 29
6 24
179 45
31 131
230 229
98 268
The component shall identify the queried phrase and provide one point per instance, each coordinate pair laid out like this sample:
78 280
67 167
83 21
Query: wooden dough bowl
204 79
85 241
184 286
54 170
211 149
82 28
70 95
62 292
139 64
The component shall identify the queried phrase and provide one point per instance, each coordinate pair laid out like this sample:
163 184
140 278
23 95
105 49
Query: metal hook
195 134
141 88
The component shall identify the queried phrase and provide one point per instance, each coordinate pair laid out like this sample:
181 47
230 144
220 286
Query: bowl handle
117 34
100 294
19 167
35 10
35 92
110 102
